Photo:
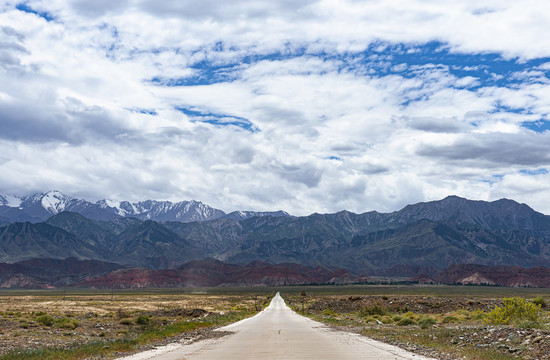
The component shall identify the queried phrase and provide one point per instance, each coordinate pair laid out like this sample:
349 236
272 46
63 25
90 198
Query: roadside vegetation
444 322
47 326
442 327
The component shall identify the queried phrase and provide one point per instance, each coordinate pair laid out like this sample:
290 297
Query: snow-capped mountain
3 200
243 215
41 206
52 201
183 211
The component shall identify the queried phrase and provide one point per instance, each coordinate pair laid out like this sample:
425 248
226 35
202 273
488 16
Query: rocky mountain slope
51 273
71 272
129 242
435 234
432 235
470 274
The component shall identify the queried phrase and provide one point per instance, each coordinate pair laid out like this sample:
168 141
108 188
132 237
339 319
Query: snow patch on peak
243 215
10 200
54 201
111 204
105 203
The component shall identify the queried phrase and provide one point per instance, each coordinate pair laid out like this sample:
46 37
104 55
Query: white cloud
404 128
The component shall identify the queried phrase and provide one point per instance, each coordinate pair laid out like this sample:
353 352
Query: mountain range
39 207
423 238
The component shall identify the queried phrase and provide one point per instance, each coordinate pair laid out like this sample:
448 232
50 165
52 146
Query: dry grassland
45 320
442 326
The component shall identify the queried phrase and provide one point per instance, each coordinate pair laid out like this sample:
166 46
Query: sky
306 106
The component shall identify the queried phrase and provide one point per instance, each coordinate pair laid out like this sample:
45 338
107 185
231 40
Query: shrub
406 321
375 309
121 314
66 323
539 300
45 320
126 322
478 314
397 318
143 320
370 319
514 311
328 312
449 319
426 322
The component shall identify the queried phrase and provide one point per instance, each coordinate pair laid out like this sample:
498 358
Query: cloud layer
307 106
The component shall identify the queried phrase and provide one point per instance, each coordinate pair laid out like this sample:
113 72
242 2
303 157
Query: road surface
279 333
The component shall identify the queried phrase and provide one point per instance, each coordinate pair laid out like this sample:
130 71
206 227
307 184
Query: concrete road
279 333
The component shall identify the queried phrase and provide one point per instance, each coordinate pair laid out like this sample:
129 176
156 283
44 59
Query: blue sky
307 106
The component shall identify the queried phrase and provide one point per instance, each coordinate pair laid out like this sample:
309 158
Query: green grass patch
67 323
375 309
450 320
45 320
143 320
406 321
426 322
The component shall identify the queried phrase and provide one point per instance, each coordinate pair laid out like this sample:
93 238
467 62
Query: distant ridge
211 272
421 238
242 215
39 207
71 272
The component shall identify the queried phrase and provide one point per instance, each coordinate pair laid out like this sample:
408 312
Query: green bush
406 321
515 311
478 314
143 320
370 319
375 309
539 300
449 319
66 323
426 322
45 320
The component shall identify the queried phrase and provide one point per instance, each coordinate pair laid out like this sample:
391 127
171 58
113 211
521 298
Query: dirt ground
458 330
45 321
403 303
